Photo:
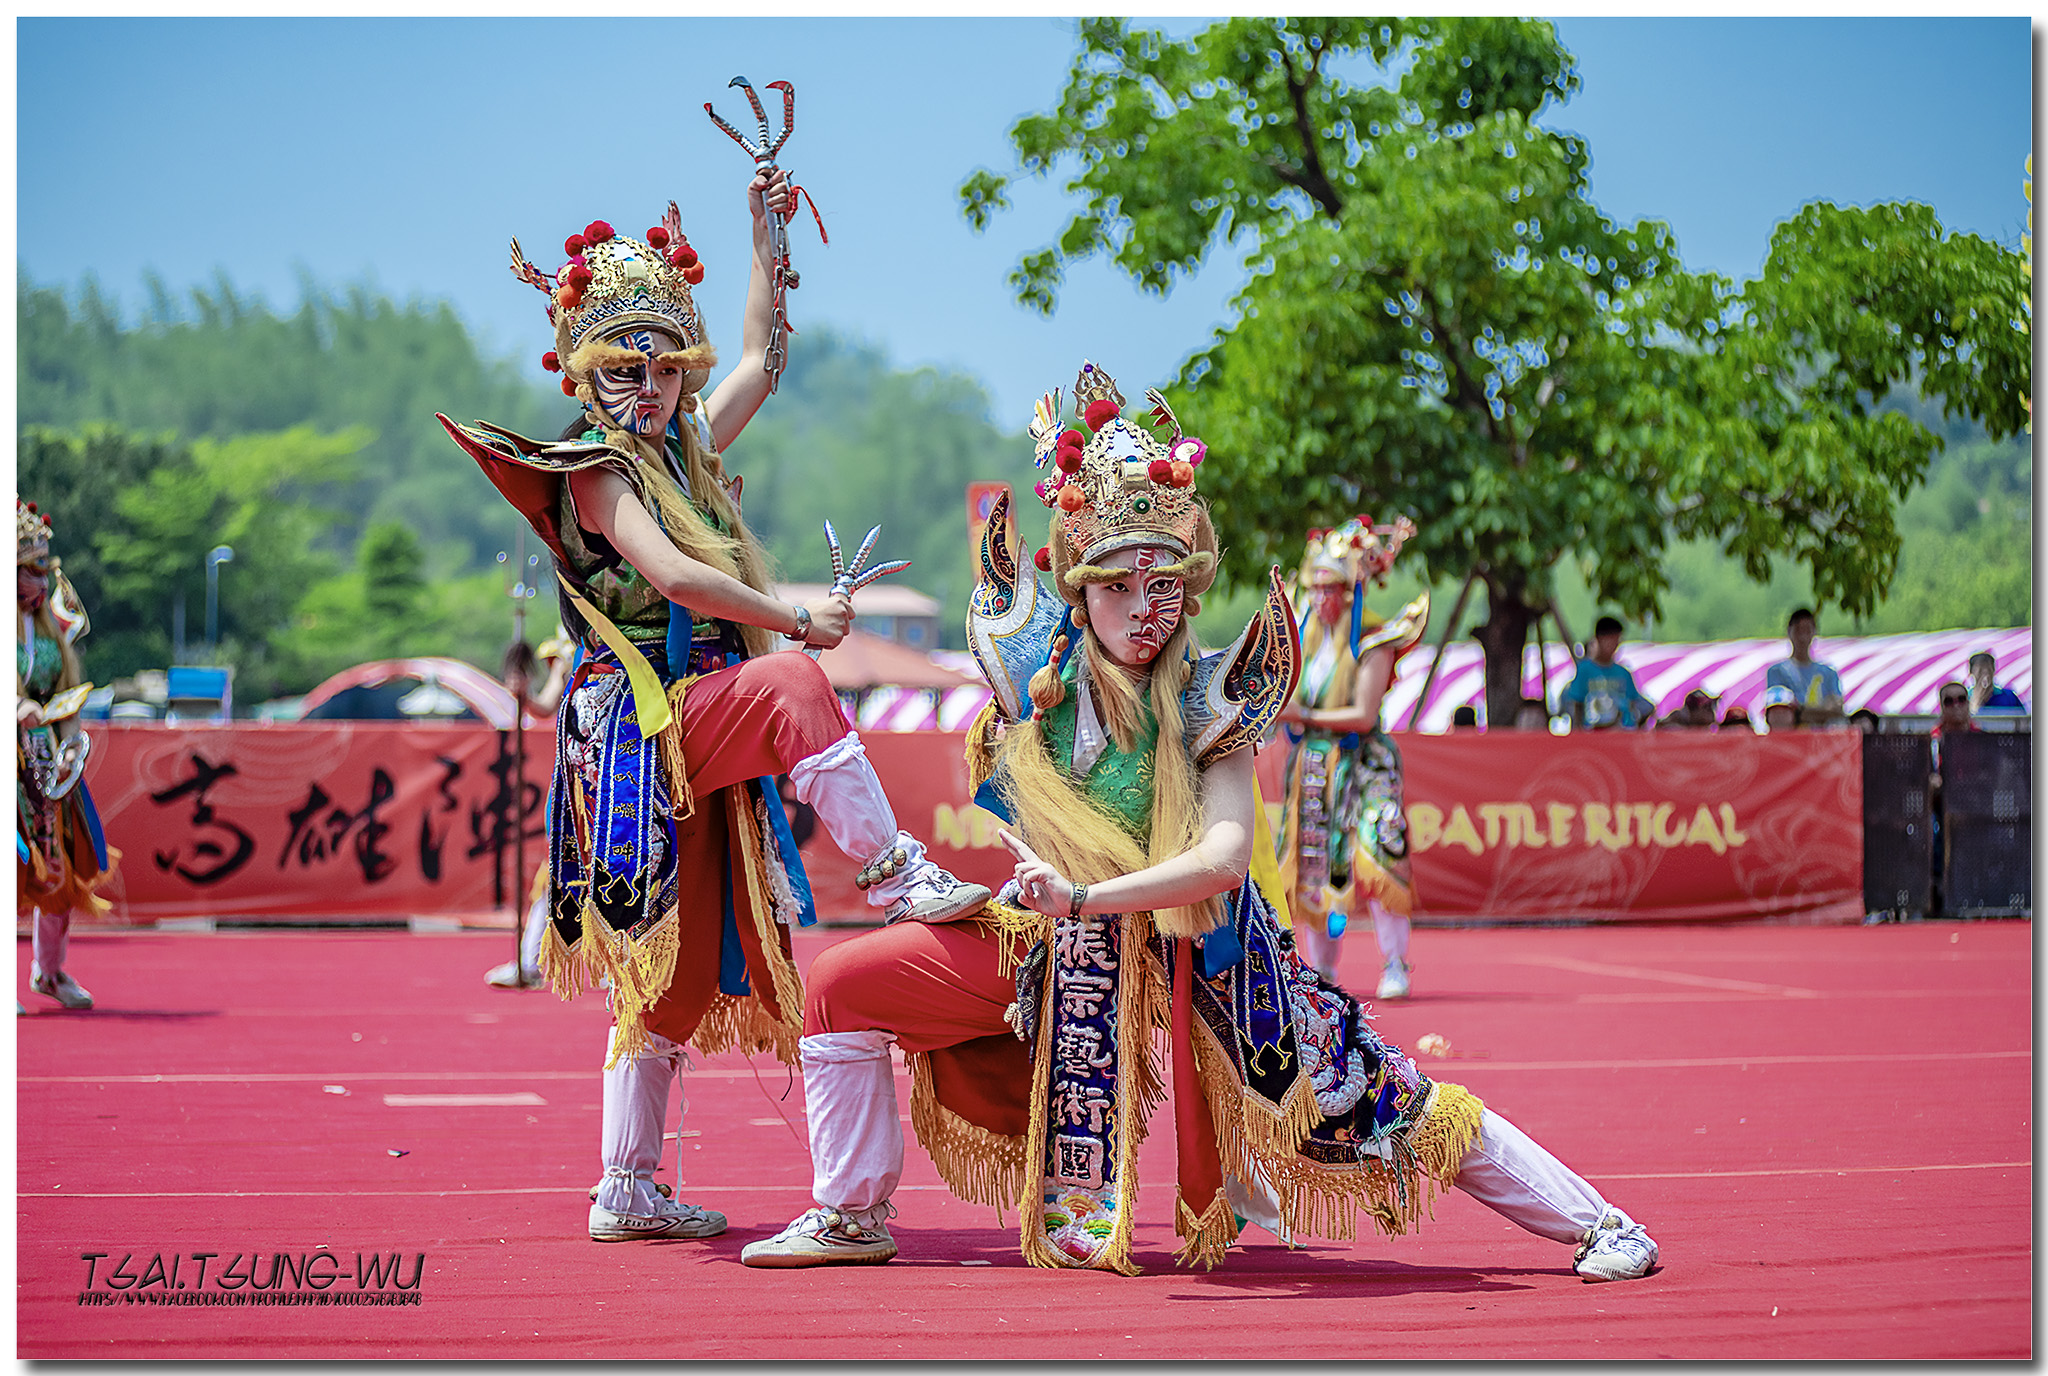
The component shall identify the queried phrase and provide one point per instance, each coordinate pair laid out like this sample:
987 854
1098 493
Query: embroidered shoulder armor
1403 633
1011 620
1234 694
529 472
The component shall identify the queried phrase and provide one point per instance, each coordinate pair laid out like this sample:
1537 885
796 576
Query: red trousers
937 989
749 721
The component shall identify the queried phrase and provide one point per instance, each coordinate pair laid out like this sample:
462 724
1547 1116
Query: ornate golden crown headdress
1119 484
613 283
1354 551
31 533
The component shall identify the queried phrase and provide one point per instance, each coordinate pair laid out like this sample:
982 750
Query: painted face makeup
641 398
1134 617
31 586
1331 601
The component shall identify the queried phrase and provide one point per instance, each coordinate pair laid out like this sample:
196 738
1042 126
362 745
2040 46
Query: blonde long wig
736 553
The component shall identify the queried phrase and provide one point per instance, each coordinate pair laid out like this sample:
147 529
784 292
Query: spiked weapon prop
763 152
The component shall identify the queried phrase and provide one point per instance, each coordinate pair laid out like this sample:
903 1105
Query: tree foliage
1442 323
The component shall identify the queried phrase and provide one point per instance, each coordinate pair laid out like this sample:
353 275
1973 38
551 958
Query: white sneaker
936 896
510 976
62 988
669 1219
827 1237
1394 980
1617 1249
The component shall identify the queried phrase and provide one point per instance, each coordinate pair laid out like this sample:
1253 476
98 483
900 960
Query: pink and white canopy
1890 674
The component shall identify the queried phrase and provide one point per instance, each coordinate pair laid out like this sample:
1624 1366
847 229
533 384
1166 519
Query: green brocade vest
626 598
1119 780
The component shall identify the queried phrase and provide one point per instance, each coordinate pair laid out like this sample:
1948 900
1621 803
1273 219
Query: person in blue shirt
1602 694
1815 686
1985 693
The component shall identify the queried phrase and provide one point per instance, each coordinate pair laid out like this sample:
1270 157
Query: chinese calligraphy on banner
373 818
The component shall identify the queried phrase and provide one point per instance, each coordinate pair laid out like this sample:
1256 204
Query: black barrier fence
1962 850
1898 825
1987 786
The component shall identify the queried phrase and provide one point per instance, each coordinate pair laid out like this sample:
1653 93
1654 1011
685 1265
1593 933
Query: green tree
1442 323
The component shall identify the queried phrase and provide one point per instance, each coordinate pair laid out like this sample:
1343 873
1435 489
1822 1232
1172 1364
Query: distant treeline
307 442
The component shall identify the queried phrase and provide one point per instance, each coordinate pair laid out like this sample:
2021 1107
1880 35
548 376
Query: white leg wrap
1523 1183
841 785
635 1112
51 940
856 1136
1392 931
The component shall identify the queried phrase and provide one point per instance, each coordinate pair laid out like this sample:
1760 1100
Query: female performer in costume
61 857
1345 842
672 874
1031 1028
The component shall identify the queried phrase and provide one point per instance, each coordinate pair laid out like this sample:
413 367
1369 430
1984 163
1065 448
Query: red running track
1828 1130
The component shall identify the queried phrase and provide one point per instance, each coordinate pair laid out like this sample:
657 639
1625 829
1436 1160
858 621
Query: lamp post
215 557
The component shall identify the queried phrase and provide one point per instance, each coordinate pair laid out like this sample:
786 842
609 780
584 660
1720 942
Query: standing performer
1031 1030
672 873
61 856
516 672
1345 842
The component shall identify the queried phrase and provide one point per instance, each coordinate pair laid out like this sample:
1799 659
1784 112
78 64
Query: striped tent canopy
1890 674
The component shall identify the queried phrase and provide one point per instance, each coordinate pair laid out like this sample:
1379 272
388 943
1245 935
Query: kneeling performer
1031 1029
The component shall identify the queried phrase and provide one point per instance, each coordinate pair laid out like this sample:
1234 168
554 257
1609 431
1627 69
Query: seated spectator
1737 717
1815 687
1602 694
1696 715
1985 693
1466 718
1866 721
1781 709
1532 715
1955 713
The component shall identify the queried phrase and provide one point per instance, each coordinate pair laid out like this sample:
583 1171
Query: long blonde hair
735 551
1080 837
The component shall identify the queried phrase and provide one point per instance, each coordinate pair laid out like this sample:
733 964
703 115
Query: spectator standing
1954 717
1986 696
1866 721
1814 686
517 672
1602 694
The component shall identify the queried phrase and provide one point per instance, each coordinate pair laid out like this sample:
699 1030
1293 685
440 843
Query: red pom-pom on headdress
683 256
577 277
1072 498
598 232
657 237
1072 437
551 361
1160 470
1101 412
574 244
694 273
1068 459
568 386
1043 559
569 297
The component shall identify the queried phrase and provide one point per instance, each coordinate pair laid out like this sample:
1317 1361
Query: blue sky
405 153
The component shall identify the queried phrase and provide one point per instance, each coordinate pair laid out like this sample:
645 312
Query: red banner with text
312 819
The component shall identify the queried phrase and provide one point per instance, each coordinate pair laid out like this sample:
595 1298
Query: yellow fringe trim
1208 1234
979 1166
788 985
682 802
980 750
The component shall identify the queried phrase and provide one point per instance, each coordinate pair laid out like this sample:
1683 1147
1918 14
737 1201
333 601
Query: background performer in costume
517 671
1032 1030
1345 840
672 874
61 856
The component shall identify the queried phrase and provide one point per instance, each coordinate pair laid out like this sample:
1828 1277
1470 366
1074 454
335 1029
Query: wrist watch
802 632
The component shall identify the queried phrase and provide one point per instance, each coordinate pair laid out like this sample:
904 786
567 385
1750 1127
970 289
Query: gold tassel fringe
1208 1234
979 1166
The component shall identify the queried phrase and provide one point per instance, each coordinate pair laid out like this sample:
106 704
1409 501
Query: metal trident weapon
763 154
848 579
